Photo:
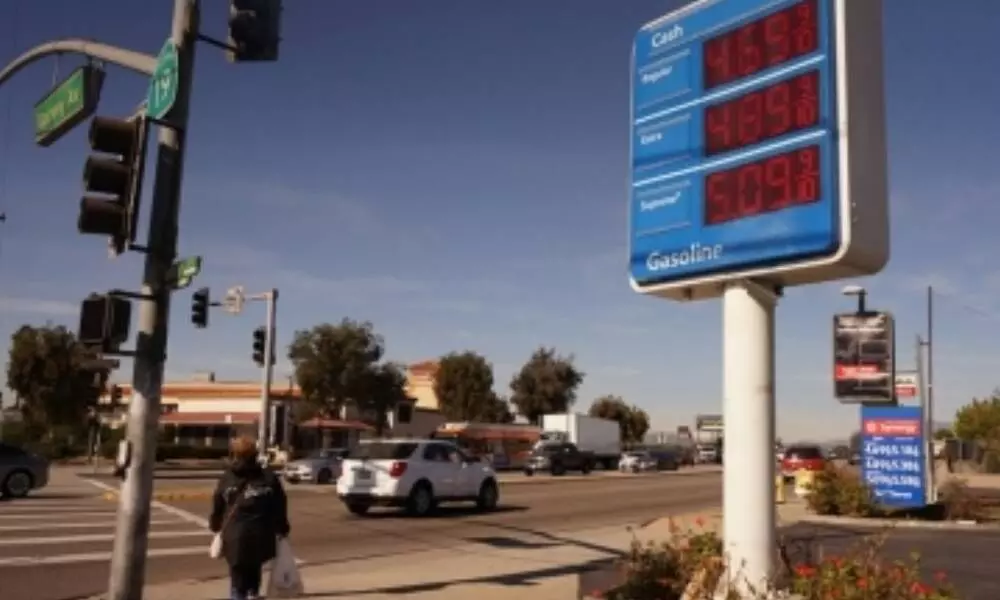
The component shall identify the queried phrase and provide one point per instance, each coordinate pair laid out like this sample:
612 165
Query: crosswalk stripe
28 516
38 510
87 525
97 537
85 557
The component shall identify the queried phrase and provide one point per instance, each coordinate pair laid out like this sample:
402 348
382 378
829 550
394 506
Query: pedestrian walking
249 515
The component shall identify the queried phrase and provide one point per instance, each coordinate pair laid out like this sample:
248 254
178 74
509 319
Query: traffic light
104 322
114 174
199 308
254 30
259 339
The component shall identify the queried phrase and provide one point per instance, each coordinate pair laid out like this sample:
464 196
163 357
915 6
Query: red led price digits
784 107
761 44
764 186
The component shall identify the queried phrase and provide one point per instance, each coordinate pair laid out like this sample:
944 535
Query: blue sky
454 171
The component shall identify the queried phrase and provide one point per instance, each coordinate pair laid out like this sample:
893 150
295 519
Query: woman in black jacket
250 510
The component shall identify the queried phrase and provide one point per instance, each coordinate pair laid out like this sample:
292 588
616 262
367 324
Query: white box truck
598 437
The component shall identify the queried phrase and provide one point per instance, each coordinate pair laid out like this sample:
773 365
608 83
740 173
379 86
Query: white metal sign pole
748 423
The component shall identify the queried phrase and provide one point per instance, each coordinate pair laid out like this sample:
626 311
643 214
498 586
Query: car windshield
383 451
804 453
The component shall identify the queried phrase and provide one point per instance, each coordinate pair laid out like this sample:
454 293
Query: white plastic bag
285 579
215 548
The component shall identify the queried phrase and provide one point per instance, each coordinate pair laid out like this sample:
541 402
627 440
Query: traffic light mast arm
139 62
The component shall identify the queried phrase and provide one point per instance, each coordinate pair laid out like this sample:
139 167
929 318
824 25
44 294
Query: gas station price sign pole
758 162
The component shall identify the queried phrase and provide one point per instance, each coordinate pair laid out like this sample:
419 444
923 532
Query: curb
604 475
903 523
168 496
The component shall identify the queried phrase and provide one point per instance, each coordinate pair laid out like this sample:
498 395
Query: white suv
414 474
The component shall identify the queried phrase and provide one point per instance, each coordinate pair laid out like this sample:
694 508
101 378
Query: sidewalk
539 566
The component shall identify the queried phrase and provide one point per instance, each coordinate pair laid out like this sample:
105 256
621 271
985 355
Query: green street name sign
68 104
182 272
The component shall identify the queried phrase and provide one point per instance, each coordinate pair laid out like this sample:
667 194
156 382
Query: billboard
708 423
864 362
907 384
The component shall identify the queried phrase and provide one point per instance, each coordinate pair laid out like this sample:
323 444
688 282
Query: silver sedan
322 467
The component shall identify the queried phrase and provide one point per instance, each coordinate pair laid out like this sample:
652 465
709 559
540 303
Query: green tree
979 421
633 422
463 385
48 370
333 363
498 411
944 433
638 424
384 388
547 383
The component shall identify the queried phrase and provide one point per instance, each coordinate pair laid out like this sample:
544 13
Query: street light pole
128 559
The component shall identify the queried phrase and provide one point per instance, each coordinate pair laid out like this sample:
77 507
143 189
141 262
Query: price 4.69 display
768 185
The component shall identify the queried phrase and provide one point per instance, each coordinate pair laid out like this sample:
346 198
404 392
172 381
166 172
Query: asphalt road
58 547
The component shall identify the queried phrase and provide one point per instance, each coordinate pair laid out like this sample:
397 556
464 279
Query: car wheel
557 470
358 508
489 496
421 500
529 472
17 484
585 469
324 477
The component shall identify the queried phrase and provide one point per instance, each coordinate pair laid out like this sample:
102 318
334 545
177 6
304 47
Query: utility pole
264 426
128 560
927 395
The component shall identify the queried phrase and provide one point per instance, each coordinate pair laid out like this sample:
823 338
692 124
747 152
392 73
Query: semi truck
601 438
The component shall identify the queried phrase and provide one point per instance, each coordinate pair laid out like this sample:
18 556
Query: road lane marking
54 511
25 517
97 537
89 525
85 557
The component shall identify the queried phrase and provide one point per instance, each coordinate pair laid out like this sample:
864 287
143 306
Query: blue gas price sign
757 146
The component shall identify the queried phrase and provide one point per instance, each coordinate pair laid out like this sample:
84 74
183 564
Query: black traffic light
254 30
259 339
199 308
104 322
112 180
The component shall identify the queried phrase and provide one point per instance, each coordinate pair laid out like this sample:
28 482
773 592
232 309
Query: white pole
748 422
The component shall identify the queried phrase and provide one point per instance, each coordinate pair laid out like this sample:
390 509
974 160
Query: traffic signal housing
112 180
199 308
104 322
259 341
254 30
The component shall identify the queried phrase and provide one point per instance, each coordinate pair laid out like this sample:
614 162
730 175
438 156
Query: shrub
960 502
664 571
862 576
837 491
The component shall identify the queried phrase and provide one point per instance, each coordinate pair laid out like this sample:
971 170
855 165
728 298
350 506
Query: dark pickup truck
557 458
